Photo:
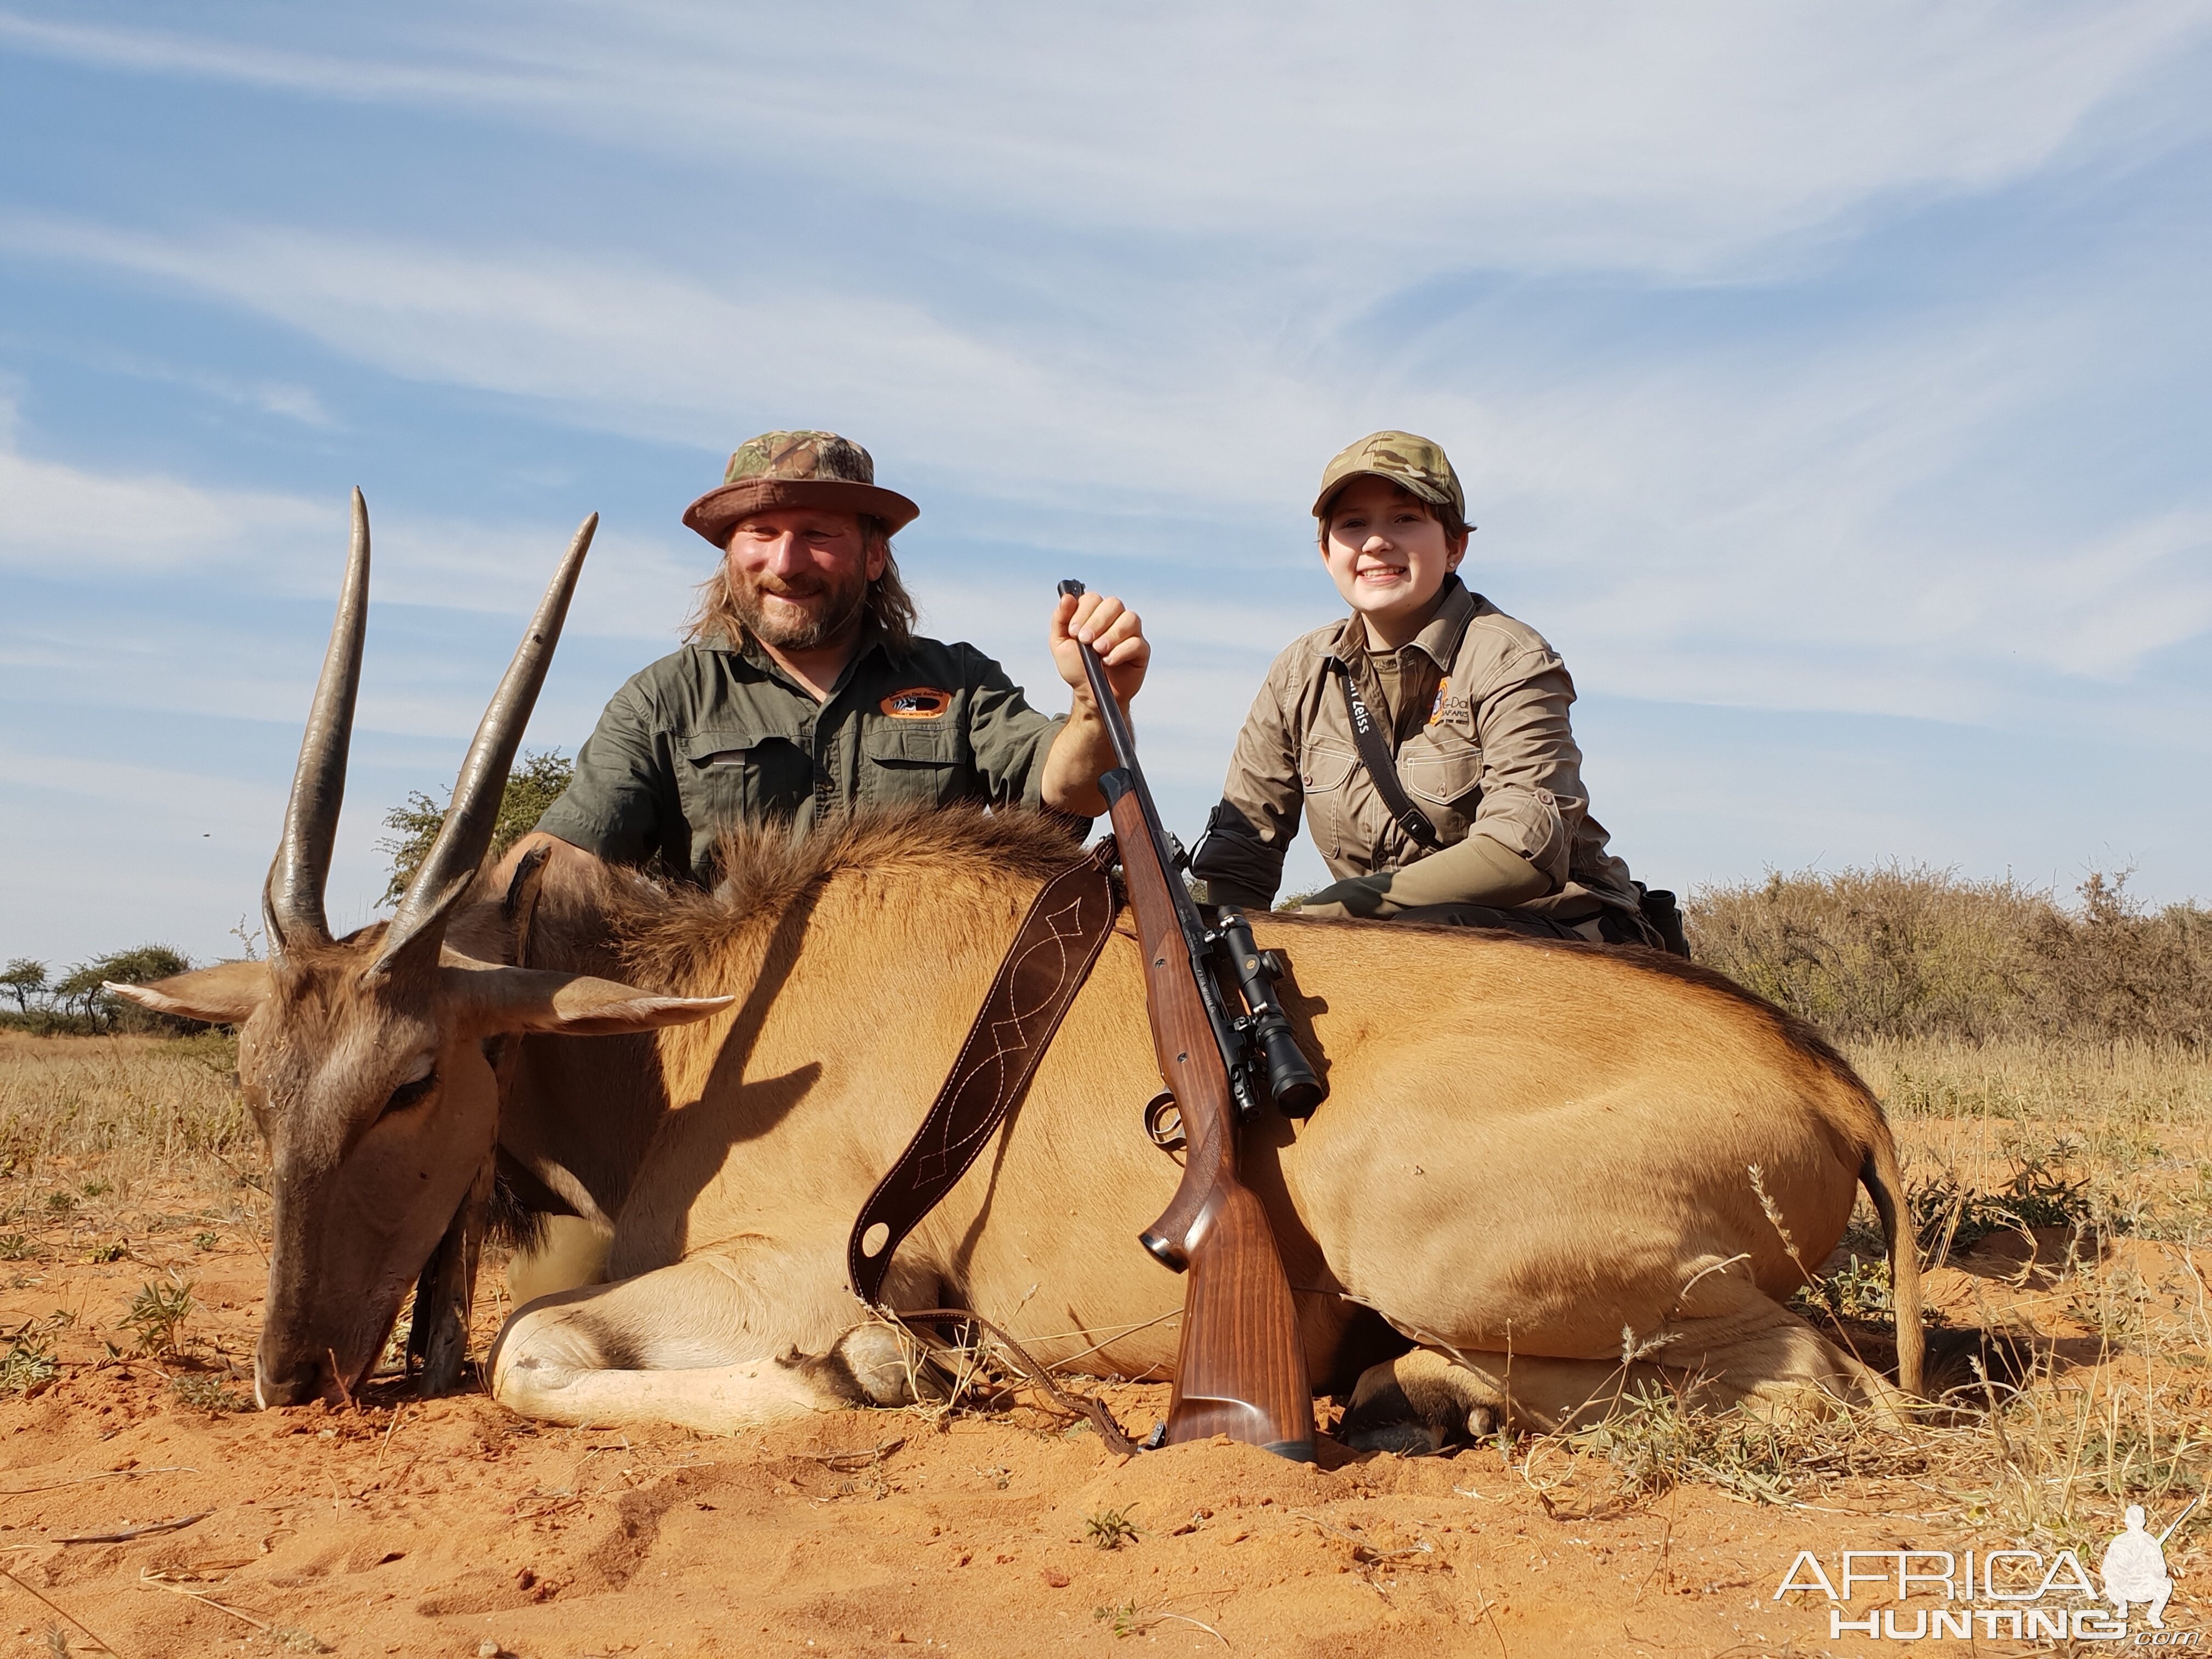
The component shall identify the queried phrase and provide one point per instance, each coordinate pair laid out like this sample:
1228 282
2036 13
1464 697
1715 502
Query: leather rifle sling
1382 769
1051 955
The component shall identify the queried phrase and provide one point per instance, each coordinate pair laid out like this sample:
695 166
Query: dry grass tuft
2111 1138
1907 952
112 1111
109 1142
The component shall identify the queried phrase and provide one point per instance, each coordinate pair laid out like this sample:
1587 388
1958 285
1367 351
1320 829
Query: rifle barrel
1117 726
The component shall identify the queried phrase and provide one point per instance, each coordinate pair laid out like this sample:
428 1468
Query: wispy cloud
1760 523
654 352
286 399
1598 133
325 73
77 525
59 515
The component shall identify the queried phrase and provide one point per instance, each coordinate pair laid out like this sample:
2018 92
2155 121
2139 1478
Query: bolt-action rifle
1240 1368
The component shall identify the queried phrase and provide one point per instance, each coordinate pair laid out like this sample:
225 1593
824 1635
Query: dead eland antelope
1557 1171
365 1059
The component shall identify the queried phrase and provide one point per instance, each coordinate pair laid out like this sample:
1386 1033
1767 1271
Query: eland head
364 1059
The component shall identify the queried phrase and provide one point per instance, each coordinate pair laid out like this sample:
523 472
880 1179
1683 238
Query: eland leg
1741 1347
1728 1345
446 1294
1423 1400
569 1252
701 1345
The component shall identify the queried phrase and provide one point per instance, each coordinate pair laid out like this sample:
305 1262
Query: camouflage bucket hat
1405 460
797 469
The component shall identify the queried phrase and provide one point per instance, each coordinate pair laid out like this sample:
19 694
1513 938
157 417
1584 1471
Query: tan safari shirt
1480 723
713 737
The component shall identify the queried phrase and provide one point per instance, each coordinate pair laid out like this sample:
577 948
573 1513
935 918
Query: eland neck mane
671 935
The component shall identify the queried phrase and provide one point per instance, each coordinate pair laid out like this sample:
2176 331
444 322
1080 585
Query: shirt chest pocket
913 762
729 777
1442 771
1325 770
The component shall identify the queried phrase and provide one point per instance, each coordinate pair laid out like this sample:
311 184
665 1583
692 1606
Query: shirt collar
748 650
1439 637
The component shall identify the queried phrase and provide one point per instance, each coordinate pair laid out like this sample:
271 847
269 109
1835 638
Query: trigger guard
1163 1122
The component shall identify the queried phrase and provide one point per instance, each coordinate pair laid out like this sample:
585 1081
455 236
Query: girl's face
1388 553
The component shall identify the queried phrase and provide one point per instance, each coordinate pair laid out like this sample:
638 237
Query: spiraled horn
292 897
420 925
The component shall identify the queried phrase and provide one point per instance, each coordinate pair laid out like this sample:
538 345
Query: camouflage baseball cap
797 469
1414 463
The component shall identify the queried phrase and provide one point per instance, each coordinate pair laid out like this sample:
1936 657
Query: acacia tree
81 988
534 784
24 979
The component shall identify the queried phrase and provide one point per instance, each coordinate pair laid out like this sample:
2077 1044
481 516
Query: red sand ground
435 1528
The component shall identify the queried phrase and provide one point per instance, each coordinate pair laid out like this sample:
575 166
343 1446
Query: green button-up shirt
713 736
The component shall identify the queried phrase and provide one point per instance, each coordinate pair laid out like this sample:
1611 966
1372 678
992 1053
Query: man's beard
838 602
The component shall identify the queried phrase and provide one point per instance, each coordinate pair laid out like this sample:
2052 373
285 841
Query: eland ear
489 999
225 995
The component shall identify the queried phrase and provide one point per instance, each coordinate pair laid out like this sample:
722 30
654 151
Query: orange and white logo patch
916 702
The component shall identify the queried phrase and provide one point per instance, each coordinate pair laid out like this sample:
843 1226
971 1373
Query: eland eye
407 1094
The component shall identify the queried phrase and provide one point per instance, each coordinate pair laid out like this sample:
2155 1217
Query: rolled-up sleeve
1532 777
1007 738
621 803
1240 857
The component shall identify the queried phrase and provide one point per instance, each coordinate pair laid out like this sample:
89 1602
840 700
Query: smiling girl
1425 737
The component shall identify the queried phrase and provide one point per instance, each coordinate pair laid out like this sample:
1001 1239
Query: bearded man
802 690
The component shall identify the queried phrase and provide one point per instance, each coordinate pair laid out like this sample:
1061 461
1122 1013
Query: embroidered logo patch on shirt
916 702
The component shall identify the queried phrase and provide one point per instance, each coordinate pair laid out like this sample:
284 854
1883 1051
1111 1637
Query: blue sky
1830 383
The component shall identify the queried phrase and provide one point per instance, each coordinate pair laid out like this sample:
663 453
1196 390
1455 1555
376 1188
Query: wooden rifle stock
1240 1366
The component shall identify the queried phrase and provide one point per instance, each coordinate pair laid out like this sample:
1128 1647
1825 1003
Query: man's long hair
889 604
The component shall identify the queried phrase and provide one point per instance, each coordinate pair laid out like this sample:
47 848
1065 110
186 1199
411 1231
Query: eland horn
291 898
419 925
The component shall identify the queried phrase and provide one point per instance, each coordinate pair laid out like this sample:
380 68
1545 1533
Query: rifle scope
1294 1085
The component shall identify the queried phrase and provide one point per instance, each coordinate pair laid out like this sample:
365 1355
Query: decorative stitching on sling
1070 918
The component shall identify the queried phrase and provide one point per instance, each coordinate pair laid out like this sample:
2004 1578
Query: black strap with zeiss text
1382 769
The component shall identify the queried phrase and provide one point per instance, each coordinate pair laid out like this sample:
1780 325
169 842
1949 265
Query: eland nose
287 1381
